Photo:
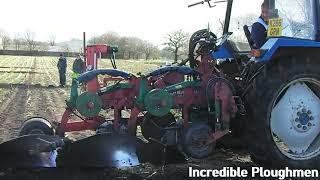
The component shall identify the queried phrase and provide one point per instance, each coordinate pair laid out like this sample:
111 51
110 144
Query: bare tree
52 40
123 47
94 40
17 41
175 42
133 47
29 38
149 49
43 46
5 39
111 38
129 47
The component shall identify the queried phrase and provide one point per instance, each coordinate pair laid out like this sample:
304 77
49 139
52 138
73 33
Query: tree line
24 41
129 47
174 46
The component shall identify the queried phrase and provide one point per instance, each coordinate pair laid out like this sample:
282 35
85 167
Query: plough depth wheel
36 125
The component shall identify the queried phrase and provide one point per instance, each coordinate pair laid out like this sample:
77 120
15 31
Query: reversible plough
203 94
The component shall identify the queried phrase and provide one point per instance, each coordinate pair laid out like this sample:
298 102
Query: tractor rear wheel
284 110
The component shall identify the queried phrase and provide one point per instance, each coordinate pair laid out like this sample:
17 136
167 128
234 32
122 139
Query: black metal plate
102 151
31 151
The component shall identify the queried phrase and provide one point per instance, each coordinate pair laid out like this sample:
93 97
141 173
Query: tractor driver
260 28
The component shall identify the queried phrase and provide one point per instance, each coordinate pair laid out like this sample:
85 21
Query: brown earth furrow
12 112
58 101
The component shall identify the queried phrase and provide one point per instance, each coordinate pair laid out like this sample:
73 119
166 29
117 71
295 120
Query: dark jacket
78 66
258 35
62 65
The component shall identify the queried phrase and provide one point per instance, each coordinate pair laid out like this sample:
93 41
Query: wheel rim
295 119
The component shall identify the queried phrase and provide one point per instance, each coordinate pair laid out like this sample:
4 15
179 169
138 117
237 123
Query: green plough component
89 104
182 85
116 87
142 91
158 102
73 94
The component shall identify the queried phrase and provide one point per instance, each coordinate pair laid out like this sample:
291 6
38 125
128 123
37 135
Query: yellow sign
275 27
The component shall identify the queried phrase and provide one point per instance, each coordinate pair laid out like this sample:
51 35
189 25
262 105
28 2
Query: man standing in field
62 67
78 66
77 69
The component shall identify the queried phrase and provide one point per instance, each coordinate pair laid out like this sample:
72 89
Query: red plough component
183 95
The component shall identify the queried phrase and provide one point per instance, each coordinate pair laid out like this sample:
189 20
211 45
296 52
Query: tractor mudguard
179 69
30 151
273 45
87 76
105 150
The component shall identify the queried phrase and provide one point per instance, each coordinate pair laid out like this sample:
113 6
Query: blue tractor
279 83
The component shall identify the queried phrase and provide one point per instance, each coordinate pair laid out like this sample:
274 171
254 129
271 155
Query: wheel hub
303 120
158 102
294 119
199 140
89 104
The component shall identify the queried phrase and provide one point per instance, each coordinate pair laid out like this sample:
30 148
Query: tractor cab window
243 13
297 18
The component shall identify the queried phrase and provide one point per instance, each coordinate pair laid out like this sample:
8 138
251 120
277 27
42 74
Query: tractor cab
285 23
297 21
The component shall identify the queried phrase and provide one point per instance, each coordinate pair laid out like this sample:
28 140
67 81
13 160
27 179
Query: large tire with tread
36 125
259 104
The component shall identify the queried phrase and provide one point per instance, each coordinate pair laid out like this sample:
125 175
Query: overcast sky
148 19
